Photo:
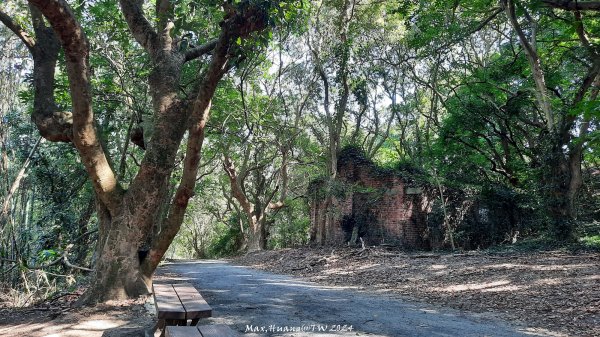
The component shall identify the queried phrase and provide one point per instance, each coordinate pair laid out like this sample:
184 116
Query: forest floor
61 319
555 291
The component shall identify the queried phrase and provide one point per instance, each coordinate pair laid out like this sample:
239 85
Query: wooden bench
216 330
178 303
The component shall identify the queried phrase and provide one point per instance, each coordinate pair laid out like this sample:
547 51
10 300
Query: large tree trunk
564 178
257 235
118 273
560 198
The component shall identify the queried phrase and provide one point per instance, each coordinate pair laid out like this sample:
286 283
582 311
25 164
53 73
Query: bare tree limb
164 16
16 183
197 52
534 62
70 265
18 30
140 27
62 258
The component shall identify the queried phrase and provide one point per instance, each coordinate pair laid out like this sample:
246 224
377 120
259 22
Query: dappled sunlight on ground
98 325
91 328
556 291
86 328
100 321
308 285
557 267
485 286
438 267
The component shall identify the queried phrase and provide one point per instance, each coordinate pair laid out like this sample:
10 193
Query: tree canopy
132 129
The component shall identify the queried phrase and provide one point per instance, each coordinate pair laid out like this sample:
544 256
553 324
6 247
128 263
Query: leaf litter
552 291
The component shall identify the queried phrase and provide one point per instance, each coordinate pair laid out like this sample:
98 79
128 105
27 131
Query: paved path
250 300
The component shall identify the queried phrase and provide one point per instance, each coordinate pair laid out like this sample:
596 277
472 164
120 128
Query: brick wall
379 203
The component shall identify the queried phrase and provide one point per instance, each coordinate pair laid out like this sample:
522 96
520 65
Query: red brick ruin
380 206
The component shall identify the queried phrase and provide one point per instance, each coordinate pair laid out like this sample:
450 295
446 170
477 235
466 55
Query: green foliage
228 238
592 242
47 255
291 225
438 21
448 77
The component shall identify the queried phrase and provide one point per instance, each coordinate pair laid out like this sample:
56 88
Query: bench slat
216 330
195 306
181 331
167 302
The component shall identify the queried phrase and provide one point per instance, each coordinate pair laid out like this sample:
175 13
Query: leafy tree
573 82
550 90
137 223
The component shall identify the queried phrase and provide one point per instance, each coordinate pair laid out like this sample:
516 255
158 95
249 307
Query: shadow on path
257 303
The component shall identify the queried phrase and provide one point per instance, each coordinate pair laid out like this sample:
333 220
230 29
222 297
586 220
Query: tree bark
199 118
257 238
44 48
535 64
133 250
256 235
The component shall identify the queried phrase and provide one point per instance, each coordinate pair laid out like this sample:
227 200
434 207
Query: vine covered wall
381 206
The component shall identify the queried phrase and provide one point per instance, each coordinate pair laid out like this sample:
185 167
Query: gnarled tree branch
75 45
534 62
18 30
197 52
140 27
236 24
53 125
236 186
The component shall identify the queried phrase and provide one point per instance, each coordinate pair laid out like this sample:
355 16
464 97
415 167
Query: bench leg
163 324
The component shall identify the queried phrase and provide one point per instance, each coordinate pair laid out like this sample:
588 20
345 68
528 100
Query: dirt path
248 299
551 293
554 291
